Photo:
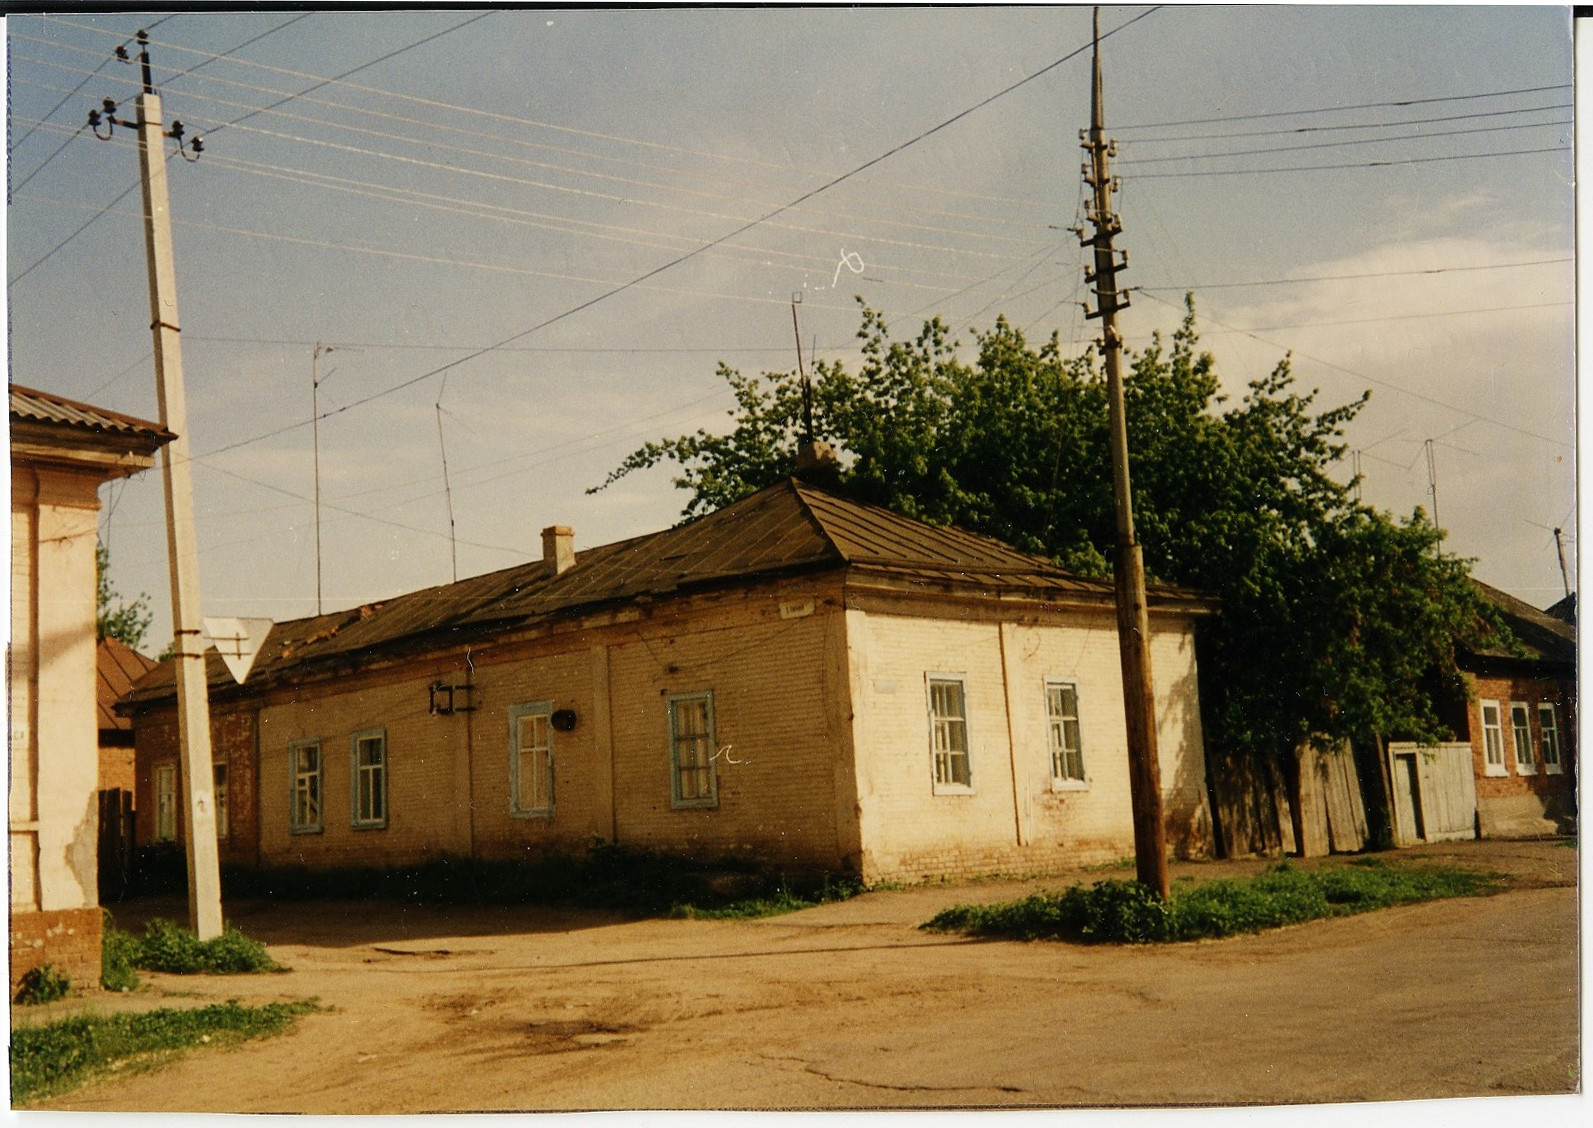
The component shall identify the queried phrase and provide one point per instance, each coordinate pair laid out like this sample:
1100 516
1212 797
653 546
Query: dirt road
850 1005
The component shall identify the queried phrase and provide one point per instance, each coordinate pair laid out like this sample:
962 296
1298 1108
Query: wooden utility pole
1133 616
315 447
193 702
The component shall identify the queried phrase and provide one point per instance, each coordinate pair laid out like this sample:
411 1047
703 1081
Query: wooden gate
116 843
1435 792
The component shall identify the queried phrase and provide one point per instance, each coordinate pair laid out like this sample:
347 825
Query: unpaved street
850 1005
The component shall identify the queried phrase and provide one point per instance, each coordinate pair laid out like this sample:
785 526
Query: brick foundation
68 939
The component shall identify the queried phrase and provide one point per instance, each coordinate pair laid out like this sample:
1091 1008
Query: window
1549 730
369 772
948 740
166 803
1492 740
1521 732
531 759
304 803
691 750
218 772
1062 715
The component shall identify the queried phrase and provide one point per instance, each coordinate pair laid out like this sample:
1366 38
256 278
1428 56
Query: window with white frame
369 773
1062 716
694 781
218 776
1549 733
531 759
166 803
948 734
1521 735
1492 739
304 781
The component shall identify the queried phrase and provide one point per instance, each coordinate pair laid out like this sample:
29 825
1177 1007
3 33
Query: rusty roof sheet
119 666
788 527
33 406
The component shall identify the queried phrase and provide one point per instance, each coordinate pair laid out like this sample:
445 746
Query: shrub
44 984
167 947
117 952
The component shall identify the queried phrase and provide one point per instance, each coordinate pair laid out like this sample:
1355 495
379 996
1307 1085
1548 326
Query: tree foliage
1337 620
113 618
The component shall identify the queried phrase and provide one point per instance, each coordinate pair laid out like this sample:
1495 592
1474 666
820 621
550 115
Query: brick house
61 453
1521 724
796 679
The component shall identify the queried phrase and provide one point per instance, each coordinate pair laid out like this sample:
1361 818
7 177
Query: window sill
368 826
952 789
1554 769
1496 771
694 804
305 830
1529 770
543 813
1066 785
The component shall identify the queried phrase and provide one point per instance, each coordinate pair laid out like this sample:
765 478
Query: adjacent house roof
1542 637
1564 610
786 529
120 666
48 427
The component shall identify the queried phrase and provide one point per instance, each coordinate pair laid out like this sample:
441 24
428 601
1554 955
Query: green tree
125 622
1338 621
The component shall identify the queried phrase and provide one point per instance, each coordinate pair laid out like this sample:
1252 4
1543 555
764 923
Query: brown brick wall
67 939
232 741
1529 690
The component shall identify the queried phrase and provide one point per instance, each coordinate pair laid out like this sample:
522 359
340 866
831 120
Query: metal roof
32 406
1543 637
119 667
784 529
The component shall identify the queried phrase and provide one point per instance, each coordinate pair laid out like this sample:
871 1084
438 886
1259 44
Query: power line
1344 109
1409 316
639 279
1366 164
48 254
1372 379
1351 277
1138 141
1345 144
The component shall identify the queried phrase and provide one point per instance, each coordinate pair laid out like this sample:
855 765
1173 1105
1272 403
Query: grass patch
54 1057
170 948
1127 912
634 882
783 900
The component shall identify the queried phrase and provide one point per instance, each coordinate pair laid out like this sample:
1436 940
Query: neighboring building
1521 724
61 453
795 679
118 666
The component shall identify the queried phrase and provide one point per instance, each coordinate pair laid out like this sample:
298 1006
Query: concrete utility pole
1133 616
193 702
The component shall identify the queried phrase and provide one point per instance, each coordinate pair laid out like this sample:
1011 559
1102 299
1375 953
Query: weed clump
44 984
1126 912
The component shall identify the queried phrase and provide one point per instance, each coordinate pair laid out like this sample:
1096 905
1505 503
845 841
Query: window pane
693 749
1549 726
1067 757
1492 736
534 761
949 733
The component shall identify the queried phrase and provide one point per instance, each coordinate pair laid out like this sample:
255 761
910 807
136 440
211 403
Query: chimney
817 463
558 547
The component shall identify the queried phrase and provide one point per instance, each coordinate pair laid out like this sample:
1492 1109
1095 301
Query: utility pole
193 702
1133 613
1432 480
1559 548
316 353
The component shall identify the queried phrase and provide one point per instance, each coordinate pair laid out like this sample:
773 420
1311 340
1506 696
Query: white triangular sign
238 641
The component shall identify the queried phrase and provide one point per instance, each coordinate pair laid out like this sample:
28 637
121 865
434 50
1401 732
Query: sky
518 244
